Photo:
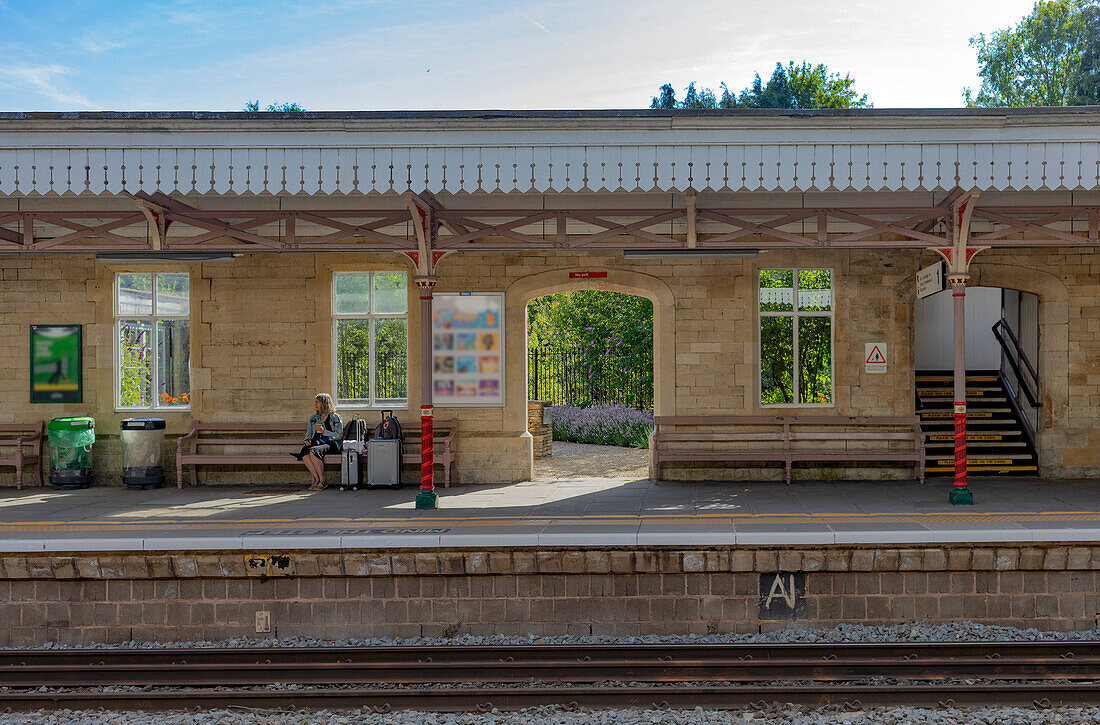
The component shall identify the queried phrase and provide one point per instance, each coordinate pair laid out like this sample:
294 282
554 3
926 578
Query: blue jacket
334 428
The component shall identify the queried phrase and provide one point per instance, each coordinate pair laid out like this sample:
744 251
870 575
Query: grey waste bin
71 442
143 452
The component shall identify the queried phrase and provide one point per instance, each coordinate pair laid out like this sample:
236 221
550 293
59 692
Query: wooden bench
778 439
214 438
27 435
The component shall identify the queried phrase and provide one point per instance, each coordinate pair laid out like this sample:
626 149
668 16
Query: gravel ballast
909 632
559 716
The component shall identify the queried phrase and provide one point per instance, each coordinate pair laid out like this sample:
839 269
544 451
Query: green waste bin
71 442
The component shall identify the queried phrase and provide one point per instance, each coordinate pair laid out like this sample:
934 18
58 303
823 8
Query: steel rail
680 670
851 697
552 663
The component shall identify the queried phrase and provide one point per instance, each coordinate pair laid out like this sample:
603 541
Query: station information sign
930 280
468 349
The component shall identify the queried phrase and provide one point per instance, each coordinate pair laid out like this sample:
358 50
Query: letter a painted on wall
780 590
875 360
783 595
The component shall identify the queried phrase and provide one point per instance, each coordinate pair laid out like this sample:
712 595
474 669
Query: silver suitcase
351 470
383 463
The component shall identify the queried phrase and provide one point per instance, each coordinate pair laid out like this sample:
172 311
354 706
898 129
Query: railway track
459 678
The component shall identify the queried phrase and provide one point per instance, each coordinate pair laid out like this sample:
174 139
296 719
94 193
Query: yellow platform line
998 517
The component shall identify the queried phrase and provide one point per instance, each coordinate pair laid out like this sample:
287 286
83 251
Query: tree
611 333
1049 59
790 86
254 107
1086 85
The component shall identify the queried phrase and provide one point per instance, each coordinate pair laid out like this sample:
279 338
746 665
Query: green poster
55 364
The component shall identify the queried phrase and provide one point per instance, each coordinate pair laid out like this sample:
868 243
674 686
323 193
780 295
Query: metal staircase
997 442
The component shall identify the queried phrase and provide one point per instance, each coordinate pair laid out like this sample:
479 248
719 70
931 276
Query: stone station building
258 215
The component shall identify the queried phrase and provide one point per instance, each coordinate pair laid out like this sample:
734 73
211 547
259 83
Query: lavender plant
606 425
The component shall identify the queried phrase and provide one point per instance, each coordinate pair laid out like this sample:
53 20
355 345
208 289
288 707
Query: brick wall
542 436
171 597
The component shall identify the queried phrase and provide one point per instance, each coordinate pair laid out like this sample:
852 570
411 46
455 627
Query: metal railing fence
568 377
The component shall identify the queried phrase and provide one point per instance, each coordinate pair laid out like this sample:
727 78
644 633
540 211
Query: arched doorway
590 384
524 290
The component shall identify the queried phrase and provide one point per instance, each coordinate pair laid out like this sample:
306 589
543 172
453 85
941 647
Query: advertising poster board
468 349
56 364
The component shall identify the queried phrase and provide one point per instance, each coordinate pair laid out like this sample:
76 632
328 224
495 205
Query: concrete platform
550 513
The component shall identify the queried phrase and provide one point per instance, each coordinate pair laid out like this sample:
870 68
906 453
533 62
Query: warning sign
875 361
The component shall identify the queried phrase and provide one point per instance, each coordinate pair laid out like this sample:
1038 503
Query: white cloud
94 44
45 80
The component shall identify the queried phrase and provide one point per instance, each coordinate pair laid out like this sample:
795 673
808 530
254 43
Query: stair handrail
1002 326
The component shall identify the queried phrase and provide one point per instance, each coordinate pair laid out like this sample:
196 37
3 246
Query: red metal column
960 493
426 498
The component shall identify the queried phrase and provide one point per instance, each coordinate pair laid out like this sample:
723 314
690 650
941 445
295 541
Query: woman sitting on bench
323 436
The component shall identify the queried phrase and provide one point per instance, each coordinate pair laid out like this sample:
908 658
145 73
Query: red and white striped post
426 498
960 493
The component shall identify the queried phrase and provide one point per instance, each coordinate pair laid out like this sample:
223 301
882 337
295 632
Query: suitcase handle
387 413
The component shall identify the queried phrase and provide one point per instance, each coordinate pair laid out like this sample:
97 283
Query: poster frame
503 352
78 396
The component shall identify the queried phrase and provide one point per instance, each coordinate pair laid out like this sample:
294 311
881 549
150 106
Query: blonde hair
327 406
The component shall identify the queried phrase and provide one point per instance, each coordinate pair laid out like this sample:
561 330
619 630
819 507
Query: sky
125 55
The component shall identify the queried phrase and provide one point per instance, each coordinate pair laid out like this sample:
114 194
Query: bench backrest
786 428
784 419
11 431
408 430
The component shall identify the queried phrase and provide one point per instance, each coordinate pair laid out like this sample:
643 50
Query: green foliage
602 425
1086 83
135 364
600 326
285 107
791 86
1051 58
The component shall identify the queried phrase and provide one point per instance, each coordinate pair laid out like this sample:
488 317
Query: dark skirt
319 447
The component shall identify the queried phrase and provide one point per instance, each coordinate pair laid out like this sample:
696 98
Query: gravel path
584 460
558 716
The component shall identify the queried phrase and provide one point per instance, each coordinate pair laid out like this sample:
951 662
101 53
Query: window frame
154 317
795 314
372 317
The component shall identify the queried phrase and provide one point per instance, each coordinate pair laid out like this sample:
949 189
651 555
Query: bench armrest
193 436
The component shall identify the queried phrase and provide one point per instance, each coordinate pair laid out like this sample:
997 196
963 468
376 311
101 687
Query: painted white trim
731 154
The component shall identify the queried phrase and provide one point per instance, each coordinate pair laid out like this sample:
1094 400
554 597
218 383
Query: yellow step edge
951 437
950 378
970 414
979 461
974 469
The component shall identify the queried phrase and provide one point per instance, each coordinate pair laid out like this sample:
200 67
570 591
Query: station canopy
194 183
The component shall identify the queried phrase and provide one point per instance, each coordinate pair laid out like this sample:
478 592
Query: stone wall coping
456 538
464 562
